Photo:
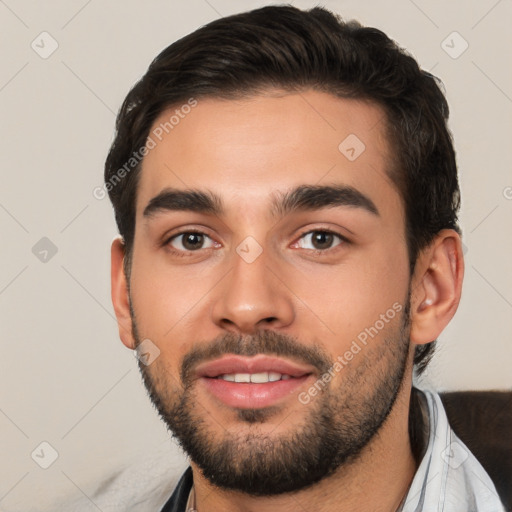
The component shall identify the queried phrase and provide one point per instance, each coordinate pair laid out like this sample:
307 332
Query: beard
336 426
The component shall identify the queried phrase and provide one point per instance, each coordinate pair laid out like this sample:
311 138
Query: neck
377 481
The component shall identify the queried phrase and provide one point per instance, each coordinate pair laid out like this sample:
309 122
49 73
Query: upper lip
238 364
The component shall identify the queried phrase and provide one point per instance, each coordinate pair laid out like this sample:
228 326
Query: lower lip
245 395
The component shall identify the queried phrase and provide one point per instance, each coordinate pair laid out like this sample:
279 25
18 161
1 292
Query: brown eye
192 241
320 240
189 241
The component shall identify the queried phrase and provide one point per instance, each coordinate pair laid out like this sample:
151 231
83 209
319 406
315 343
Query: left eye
190 241
321 240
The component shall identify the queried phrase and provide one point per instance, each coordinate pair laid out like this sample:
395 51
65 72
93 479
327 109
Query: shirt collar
449 477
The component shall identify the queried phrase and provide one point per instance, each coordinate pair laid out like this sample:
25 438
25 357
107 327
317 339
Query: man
286 193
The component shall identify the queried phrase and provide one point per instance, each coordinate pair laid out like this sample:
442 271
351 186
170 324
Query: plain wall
65 376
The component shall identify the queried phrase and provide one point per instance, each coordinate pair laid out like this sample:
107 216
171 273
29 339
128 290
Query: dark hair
293 50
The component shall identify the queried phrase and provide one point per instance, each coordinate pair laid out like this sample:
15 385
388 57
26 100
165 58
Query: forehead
247 150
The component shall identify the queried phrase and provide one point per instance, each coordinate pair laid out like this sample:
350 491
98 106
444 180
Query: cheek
169 307
164 297
345 301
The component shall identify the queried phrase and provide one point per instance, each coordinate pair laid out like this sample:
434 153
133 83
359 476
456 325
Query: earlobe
119 292
437 287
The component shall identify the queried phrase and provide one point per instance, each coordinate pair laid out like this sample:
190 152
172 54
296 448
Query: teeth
257 378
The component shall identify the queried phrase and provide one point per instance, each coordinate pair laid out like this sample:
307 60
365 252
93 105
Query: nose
252 296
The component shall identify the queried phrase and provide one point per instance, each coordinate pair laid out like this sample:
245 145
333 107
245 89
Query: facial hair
337 423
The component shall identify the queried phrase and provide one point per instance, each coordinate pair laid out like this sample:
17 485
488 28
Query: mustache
263 342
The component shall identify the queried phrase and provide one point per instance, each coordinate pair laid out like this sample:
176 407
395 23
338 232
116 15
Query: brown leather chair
483 421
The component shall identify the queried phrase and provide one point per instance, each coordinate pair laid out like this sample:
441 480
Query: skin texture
247 151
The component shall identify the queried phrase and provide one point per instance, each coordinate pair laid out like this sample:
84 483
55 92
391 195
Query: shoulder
145 483
483 422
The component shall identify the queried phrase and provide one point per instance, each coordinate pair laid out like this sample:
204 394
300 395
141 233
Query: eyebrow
301 198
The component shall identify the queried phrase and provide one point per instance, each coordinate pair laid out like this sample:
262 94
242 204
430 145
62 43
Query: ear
119 291
436 286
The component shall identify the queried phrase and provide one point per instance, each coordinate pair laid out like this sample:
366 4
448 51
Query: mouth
252 383
255 378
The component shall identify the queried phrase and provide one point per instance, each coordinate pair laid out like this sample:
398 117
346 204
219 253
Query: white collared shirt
449 477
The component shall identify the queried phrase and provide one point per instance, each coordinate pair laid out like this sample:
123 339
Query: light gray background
65 377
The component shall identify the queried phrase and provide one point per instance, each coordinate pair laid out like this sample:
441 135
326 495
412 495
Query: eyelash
180 253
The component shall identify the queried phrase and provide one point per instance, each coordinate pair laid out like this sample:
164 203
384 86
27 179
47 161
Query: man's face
271 289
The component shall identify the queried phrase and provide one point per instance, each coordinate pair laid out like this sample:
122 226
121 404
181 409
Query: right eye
188 241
